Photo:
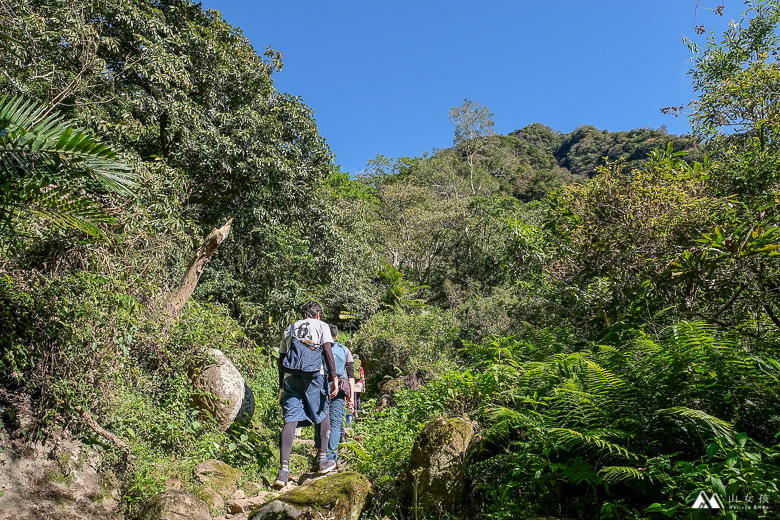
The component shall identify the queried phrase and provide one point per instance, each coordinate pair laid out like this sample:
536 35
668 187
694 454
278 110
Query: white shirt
308 329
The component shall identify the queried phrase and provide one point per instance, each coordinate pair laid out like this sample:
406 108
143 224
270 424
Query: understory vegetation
605 305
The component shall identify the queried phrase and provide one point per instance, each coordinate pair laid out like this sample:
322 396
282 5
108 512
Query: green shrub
397 342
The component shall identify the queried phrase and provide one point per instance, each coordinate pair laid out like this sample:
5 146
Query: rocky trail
62 480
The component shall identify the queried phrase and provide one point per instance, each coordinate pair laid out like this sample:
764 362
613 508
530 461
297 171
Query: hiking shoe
326 465
281 479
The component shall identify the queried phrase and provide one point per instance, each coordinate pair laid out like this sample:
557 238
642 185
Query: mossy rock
221 392
219 476
212 498
391 386
175 505
343 496
435 477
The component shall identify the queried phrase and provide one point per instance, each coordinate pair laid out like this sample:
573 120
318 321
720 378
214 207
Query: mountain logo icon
705 502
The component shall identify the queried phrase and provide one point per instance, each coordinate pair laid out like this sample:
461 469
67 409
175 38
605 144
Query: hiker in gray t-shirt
305 398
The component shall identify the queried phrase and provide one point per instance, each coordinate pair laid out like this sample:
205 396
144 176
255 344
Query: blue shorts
305 398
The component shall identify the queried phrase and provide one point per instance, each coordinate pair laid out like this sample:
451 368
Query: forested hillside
601 307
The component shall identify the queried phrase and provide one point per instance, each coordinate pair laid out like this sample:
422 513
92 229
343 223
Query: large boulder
343 496
221 391
435 477
218 476
175 505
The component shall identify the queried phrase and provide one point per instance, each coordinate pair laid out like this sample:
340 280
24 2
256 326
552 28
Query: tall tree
737 111
472 123
178 85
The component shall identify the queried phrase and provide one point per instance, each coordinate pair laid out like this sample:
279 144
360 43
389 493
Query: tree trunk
164 135
173 305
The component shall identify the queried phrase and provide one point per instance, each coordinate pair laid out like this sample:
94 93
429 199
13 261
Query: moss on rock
221 477
175 505
343 496
434 479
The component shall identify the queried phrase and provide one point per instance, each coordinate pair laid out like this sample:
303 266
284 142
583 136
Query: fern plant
44 163
602 417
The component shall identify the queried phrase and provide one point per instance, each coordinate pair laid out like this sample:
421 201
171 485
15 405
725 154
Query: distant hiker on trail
344 363
304 394
359 387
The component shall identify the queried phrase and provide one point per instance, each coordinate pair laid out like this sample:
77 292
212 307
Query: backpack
340 359
303 357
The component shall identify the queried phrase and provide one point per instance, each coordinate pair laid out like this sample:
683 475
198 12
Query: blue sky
382 75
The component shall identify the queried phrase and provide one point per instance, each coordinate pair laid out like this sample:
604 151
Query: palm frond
65 209
6 37
30 134
41 156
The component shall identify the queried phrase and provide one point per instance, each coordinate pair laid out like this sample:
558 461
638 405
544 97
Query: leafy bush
396 342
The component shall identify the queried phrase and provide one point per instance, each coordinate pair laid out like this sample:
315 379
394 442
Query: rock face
343 496
222 391
218 476
436 467
175 505
50 481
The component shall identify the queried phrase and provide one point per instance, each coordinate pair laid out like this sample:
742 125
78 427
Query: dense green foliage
647 370
190 110
604 304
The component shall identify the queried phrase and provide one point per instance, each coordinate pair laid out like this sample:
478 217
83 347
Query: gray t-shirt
349 358
308 329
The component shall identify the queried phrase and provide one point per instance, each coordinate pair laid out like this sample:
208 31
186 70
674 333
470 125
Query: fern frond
569 396
505 421
694 340
615 474
572 439
719 427
611 349
578 471
600 379
645 347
